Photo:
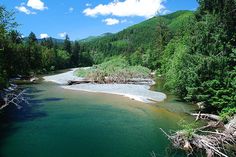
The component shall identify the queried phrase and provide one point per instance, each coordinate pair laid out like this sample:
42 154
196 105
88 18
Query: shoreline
135 92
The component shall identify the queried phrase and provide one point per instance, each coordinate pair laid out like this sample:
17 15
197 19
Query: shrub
115 70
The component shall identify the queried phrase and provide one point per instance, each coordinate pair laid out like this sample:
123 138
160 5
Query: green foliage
75 56
196 53
82 72
139 71
120 65
188 128
199 63
30 55
227 113
7 19
63 58
6 23
67 45
138 43
113 64
117 69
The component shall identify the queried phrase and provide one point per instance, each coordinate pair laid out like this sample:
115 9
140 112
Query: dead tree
14 98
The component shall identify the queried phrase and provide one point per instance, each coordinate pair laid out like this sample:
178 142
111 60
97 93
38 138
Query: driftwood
71 82
129 81
212 138
28 79
14 98
206 116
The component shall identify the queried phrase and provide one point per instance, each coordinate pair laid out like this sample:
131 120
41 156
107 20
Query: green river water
64 123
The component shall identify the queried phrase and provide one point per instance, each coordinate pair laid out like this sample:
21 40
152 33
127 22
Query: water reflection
29 112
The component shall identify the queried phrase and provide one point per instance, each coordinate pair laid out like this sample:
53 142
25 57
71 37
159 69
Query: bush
188 128
115 70
226 113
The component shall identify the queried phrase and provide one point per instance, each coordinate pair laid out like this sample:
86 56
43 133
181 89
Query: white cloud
24 9
36 4
88 5
71 9
62 35
44 35
111 21
142 8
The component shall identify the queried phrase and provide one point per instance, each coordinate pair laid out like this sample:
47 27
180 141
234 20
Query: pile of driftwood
216 138
27 79
13 96
108 81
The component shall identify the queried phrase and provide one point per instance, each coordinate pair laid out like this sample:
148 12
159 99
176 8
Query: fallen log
206 116
137 82
215 142
71 82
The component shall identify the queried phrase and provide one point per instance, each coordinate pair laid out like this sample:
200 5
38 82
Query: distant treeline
28 56
194 51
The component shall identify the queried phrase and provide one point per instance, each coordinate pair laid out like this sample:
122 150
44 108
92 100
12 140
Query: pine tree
75 58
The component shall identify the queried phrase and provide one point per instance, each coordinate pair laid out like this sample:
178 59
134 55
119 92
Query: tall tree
75 57
163 34
67 45
7 23
48 42
202 66
15 37
163 38
33 51
32 39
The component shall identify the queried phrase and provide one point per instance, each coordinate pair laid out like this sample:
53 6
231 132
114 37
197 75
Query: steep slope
142 36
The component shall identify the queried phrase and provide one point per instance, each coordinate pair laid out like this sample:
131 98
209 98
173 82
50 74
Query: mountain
140 36
55 40
91 38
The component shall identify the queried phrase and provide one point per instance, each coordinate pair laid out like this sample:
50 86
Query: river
64 123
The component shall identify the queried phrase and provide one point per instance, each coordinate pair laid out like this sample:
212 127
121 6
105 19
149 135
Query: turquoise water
64 123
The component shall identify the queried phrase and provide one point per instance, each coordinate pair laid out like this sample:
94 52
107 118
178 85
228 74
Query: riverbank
136 92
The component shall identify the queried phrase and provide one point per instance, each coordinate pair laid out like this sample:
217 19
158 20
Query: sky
83 18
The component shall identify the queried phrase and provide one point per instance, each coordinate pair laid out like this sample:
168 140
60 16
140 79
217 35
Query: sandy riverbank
136 92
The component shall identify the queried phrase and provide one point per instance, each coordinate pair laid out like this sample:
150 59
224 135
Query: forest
30 56
194 51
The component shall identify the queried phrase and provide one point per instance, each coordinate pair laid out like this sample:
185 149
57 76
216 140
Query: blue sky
82 18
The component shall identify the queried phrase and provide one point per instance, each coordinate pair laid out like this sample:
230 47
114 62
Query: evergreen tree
67 45
33 51
47 42
32 39
15 37
199 64
75 57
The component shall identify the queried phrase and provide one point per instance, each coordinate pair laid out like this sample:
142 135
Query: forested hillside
141 43
199 63
194 51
